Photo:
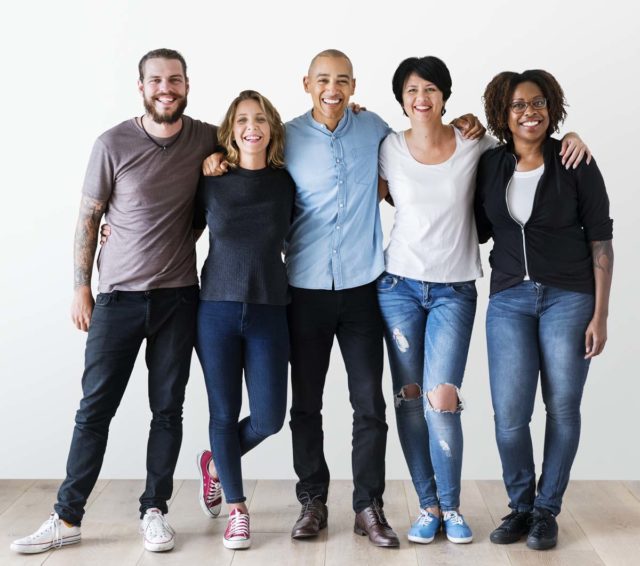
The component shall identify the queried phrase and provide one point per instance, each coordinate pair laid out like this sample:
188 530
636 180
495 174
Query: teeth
422 107
530 124
252 138
331 100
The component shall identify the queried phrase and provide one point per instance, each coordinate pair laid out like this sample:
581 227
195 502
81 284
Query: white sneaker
53 533
157 534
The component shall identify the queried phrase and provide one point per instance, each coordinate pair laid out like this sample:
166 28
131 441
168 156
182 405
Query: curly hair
498 97
275 149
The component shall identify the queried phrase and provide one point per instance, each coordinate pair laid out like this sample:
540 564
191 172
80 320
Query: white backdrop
69 73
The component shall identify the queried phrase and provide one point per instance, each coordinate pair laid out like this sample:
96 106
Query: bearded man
142 175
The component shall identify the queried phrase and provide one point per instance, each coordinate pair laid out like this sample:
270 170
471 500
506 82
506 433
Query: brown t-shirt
150 194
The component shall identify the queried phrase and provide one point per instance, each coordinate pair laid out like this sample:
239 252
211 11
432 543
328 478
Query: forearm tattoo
86 239
602 253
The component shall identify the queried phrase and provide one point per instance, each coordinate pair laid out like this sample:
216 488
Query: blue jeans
427 330
120 322
532 330
233 337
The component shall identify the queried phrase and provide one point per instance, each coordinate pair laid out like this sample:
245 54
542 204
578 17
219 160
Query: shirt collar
343 124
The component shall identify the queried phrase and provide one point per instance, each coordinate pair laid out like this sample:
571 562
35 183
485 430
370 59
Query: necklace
165 146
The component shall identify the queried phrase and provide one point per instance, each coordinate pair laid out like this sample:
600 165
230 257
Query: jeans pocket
103 299
465 288
386 282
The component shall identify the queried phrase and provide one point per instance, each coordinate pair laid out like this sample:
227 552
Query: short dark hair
428 68
161 54
499 93
334 53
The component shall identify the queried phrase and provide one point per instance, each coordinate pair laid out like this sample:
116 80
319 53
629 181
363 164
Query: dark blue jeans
233 337
121 320
536 330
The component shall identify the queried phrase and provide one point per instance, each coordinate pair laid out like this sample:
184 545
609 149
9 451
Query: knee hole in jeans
445 398
409 392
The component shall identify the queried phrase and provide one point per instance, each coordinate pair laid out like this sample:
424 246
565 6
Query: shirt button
337 161
340 182
341 205
335 251
337 227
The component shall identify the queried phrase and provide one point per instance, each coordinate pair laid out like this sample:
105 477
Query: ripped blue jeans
427 331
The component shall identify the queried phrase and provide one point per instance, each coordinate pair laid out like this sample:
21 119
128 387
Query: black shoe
514 526
544 530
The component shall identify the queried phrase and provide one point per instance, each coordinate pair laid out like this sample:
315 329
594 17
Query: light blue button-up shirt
335 240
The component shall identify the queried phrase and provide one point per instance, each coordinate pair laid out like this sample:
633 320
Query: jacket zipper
524 240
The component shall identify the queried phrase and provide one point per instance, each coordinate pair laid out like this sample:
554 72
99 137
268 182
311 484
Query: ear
140 87
353 86
305 83
186 81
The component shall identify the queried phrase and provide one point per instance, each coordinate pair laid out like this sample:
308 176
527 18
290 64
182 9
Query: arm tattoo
602 253
91 211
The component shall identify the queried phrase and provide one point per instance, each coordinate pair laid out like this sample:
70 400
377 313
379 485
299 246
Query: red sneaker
210 496
237 534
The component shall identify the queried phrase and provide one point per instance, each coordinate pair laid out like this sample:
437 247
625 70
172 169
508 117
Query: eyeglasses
519 106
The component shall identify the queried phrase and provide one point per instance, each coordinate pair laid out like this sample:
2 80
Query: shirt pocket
365 164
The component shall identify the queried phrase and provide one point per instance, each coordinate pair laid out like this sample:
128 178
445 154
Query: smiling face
251 131
164 90
422 100
330 83
531 125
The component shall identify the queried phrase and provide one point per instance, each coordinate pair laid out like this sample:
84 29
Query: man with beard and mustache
143 175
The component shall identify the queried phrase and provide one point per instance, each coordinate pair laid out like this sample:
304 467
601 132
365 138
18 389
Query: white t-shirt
434 231
521 192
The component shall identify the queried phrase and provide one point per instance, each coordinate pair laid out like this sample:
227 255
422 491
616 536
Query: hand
105 232
356 108
595 338
82 307
470 127
573 150
215 165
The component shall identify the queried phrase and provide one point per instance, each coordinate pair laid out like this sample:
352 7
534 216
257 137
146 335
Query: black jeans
353 316
121 320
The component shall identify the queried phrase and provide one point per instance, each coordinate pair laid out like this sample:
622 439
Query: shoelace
213 491
424 519
453 517
238 525
156 524
540 527
51 524
310 505
377 510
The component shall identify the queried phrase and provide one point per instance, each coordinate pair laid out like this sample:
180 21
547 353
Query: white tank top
522 191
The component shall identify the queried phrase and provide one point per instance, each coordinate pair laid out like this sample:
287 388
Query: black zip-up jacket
570 209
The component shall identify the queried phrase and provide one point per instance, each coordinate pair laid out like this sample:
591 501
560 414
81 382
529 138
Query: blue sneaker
425 528
456 527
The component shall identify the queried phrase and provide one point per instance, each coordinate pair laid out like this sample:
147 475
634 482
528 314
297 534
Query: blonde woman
242 322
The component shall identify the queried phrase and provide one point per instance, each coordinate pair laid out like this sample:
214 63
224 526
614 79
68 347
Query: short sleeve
99 178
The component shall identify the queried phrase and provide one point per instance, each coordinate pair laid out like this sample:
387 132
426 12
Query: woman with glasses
552 262
427 295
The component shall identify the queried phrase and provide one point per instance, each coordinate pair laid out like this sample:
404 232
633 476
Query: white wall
69 73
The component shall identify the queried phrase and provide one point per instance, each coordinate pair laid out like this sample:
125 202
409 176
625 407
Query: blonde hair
275 149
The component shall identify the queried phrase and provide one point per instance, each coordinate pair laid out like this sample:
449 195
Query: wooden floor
599 525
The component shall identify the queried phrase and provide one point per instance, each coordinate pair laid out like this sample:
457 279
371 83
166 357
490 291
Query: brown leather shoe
372 522
313 518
